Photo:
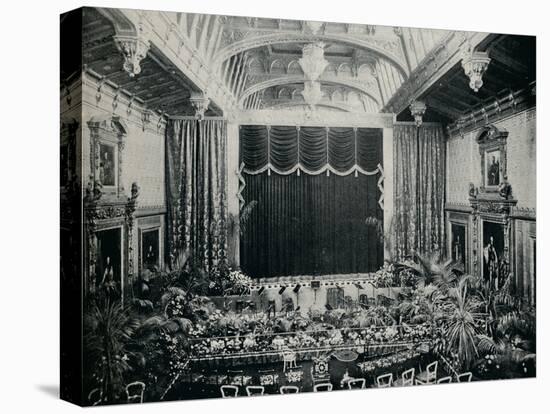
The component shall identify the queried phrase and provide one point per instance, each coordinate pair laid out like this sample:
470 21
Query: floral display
356 339
294 376
385 276
388 361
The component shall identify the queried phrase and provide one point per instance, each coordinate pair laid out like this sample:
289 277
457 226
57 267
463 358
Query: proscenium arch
284 80
325 104
273 38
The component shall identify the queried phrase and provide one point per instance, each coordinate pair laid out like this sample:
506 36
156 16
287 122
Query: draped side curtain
419 190
196 191
315 188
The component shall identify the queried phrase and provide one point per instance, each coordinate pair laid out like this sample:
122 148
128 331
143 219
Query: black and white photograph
277 206
215 204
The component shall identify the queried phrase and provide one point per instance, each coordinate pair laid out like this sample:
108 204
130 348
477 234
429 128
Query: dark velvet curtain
419 190
196 192
311 223
313 150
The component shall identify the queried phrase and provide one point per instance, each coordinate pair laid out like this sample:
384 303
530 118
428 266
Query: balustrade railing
360 340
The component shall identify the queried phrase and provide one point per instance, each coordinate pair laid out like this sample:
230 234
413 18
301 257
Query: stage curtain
419 190
312 150
312 224
196 191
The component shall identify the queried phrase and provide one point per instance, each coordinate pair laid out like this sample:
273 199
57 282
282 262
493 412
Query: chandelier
474 65
313 64
313 61
312 93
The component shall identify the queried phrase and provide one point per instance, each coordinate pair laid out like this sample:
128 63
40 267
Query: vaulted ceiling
367 64
253 63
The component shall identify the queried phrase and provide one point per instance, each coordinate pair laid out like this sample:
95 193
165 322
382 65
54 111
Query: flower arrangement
407 278
237 283
387 361
385 276
356 339
229 282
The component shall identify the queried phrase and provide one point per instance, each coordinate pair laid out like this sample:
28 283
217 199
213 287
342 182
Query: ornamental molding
325 119
523 213
239 41
458 207
512 103
94 84
270 81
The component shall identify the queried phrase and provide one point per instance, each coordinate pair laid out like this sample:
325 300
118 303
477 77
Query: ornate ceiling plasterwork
231 59
371 92
241 41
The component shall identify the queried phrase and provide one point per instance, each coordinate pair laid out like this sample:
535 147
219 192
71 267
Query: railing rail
360 339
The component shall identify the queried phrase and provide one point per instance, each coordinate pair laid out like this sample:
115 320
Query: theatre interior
254 206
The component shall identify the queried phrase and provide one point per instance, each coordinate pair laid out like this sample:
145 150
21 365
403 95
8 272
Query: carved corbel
146 118
130 103
134 49
115 99
99 93
200 102
475 65
418 109
159 122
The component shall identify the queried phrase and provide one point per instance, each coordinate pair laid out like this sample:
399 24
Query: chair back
255 390
235 377
134 392
444 380
289 355
95 396
356 383
289 389
229 391
464 377
322 387
431 370
384 381
268 377
407 377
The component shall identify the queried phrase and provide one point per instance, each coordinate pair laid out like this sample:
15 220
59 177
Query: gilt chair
406 380
289 359
356 383
327 386
255 390
134 392
95 396
429 376
289 389
464 377
229 391
445 380
384 381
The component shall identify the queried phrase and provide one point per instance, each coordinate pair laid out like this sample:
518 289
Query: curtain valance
311 150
